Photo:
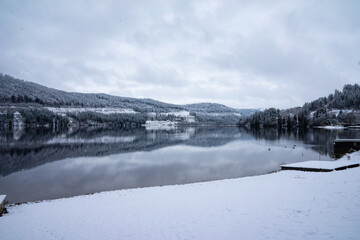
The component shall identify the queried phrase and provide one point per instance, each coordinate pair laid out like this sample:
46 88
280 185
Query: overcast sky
245 54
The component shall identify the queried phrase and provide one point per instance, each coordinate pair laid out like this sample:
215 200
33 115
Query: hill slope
18 91
340 108
85 106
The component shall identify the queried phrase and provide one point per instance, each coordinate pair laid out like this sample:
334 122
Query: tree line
31 117
340 108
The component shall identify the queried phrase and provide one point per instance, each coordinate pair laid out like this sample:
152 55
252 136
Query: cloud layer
240 53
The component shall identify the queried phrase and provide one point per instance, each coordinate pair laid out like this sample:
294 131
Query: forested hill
217 108
348 98
101 108
18 91
339 108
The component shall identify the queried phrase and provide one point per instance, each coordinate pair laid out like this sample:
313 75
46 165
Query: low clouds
239 53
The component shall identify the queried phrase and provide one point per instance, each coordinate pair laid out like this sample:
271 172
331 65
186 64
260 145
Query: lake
40 164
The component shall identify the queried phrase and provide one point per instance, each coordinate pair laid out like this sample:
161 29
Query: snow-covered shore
331 127
281 205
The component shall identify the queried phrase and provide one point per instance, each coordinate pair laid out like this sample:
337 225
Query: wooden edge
348 166
306 169
2 206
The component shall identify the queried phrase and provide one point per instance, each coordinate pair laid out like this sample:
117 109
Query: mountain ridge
15 90
84 107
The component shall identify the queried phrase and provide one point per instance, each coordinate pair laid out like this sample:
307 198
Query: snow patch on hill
65 110
182 114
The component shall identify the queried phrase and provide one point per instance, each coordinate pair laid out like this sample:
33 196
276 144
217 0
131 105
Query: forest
338 109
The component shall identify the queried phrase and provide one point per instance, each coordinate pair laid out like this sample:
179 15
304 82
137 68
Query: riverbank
281 205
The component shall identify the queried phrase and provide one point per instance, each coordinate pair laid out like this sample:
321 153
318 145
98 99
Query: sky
244 54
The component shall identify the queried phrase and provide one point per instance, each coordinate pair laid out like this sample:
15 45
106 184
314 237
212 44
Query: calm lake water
39 164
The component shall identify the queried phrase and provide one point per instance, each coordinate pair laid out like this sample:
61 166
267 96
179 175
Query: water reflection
47 163
320 140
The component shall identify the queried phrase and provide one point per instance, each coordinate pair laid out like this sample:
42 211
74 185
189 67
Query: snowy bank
282 205
330 127
315 165
106 110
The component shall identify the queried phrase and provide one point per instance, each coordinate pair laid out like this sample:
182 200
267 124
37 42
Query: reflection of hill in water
34 147
319 140
213 137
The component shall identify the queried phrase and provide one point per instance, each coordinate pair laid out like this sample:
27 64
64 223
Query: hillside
214 108
339 109
19 91
32 99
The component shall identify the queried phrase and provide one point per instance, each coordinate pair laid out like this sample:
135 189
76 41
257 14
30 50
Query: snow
183 115
18 120
282 205
330 127
337 111
180 113
2 198
312 114
328 165
65 110
160 125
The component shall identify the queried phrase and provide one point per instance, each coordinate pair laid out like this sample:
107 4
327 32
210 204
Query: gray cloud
239 53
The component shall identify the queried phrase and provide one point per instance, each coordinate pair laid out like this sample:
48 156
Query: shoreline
280 205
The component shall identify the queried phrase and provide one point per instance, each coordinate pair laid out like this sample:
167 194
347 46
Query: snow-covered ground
2 197
335 111
281 205
65 110
330 127
183 115
327 165
160 125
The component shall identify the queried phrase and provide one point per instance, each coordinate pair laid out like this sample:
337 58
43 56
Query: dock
2 204
321 166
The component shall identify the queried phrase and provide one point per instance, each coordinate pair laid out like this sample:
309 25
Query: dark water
38 164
